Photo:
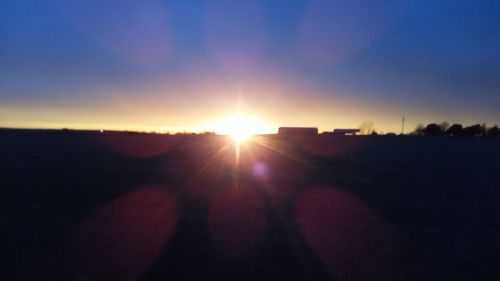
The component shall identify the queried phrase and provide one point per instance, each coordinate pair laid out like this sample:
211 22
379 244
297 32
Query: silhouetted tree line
457 130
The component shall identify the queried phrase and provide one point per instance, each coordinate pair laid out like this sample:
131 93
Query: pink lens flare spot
350 238
235 33
137 31
122 239
261 170
334 31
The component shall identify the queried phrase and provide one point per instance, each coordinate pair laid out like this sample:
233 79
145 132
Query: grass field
92 206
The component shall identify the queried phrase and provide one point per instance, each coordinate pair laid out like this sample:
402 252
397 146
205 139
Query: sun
240 127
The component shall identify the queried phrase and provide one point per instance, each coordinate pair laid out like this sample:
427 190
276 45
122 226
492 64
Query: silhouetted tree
366 127
419 130
484 130
473 131
455 130
433 129
374 133
444 126
493 132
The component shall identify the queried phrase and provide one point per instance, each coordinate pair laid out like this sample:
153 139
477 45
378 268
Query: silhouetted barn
297 131
345 132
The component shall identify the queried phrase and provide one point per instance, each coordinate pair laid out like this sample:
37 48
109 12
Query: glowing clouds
332 31
235 32
136 31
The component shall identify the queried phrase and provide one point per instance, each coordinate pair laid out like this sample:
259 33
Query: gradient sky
180 64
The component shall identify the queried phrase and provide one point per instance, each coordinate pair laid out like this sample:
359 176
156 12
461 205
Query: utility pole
403 125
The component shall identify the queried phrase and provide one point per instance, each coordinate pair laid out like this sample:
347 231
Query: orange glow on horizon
240 127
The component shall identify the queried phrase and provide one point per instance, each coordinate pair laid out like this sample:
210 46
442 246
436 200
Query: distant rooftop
297 131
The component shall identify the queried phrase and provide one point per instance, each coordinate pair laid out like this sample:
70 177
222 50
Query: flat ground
89 206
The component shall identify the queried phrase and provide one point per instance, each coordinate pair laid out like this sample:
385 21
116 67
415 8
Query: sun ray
268 144
209 161
240 127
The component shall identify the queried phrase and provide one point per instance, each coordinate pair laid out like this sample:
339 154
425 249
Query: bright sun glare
240 127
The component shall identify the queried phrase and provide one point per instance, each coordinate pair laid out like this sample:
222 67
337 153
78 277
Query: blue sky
175 64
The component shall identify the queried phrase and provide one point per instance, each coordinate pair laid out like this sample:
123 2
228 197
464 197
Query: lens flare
240 127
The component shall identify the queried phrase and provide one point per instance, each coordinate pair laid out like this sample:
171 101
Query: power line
403 125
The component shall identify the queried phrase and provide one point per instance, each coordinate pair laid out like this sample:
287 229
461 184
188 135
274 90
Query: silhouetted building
345 132
297 131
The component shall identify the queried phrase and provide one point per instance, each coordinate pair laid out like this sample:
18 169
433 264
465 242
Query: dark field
90 206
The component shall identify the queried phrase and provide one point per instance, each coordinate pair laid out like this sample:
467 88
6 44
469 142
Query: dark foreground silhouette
91 206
